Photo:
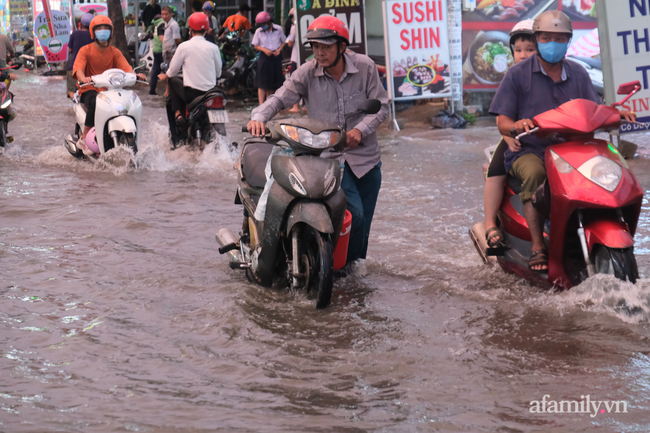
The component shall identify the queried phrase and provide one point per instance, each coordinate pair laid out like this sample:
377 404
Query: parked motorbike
6 99
206 117
294 244
591 202
117 116
239 72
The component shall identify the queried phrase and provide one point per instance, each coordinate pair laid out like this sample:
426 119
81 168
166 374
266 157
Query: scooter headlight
602 171
305 137
117 79
6 104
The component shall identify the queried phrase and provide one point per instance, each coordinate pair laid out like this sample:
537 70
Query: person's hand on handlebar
523 125
13 77
86 80
141 77
630 116
255 128
353 138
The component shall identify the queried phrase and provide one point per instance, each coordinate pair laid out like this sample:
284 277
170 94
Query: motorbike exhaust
228 243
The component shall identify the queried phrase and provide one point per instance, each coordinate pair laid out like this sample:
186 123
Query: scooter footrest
238 265
229 247
498 251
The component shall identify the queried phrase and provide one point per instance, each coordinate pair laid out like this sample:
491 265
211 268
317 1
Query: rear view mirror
370 106
627 88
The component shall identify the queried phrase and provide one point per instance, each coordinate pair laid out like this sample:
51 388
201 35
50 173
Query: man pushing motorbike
95 59
332 85
540 83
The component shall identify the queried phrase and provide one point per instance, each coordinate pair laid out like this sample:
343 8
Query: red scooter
590 200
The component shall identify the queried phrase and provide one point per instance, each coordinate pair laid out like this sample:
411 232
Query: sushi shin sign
417 48
624 27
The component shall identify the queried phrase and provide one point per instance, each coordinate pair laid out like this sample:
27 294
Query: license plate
218 116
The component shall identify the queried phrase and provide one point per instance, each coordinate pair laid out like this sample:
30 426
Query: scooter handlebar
245 129
535 129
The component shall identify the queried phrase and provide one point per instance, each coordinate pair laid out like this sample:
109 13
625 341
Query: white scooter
117 116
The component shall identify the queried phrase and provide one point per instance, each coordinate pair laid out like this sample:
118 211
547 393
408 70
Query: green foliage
471 118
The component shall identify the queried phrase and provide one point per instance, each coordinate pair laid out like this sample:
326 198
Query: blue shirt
527 91
78 39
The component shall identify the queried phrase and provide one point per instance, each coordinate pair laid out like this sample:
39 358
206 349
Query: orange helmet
326 28
98 21
198 21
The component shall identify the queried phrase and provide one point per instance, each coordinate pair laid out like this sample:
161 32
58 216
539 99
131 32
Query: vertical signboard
52 29
351 12
417 49
624 29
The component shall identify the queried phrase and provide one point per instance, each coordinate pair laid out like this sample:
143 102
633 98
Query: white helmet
524 27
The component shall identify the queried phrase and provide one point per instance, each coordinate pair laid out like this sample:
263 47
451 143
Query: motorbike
590 201
6 99
117 116
239 71
206 117
294 244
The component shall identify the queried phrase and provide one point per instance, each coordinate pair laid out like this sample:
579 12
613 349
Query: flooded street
118 314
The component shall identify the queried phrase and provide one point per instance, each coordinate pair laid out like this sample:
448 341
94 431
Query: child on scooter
522 47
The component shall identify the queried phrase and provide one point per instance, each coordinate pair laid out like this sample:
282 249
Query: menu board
486 34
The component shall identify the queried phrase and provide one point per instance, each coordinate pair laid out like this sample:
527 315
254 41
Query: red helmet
198 21
98 21
327 27
262 17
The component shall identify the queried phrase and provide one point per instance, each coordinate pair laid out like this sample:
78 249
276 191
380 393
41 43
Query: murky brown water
118 314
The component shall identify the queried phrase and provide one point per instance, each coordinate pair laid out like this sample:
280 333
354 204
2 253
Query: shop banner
351 12
625 47
417 49
52 28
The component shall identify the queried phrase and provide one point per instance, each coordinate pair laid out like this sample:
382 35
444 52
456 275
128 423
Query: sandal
181 123
539 257
492 243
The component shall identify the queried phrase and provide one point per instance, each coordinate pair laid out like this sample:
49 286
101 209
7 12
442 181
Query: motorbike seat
515 184
253 163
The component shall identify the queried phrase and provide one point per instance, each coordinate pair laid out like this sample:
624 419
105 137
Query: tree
119 36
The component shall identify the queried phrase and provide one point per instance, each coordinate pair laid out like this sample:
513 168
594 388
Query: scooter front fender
612 234
123 124
312 214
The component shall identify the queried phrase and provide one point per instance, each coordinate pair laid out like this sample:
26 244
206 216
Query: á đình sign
624 33
351 12
417 49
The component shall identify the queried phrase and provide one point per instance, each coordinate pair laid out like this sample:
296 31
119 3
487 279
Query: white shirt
201 63
172 32
269 40
294 49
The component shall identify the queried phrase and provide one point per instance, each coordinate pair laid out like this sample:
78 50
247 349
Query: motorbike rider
538 84
208 8
94 59
201 63
158 32
341 79
78 40
238 22
522 47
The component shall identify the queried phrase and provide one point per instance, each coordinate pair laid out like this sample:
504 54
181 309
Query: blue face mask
265 27
553 52
102 35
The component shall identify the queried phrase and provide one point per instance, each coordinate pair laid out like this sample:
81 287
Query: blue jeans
361 194
155 70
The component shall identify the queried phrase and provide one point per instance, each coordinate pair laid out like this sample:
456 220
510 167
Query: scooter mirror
627 88
370 106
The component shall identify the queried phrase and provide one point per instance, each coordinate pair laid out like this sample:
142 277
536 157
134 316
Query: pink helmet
91 140
262 17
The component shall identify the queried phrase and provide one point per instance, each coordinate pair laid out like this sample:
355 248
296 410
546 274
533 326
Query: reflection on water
118 314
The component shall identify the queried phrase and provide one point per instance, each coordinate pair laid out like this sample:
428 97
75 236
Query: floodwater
118 314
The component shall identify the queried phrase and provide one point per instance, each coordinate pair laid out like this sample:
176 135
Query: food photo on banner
351 12
417 48
498 11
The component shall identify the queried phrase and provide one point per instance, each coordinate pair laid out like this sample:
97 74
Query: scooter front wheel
317 264
615 261
128 139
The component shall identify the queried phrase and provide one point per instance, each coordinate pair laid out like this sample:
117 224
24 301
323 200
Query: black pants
89 99
155 70
181 95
